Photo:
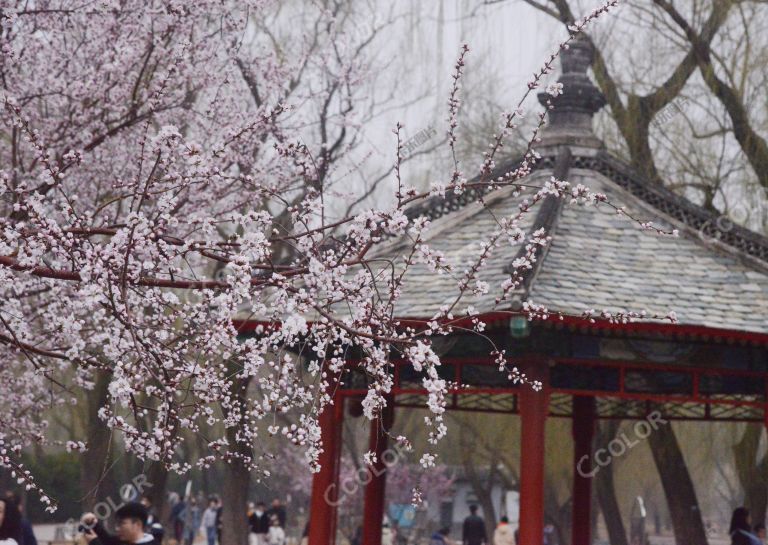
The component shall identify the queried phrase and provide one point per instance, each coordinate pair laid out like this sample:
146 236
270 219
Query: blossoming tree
163 173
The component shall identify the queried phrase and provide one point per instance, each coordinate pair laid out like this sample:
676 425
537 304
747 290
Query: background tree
155 151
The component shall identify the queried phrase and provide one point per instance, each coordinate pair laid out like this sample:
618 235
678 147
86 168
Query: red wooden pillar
375 489
583 430
338 415
325 484
534 407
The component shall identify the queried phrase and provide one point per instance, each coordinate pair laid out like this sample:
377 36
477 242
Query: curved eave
574 323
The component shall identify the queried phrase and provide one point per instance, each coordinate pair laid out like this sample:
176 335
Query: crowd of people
741 531
474 532
266 525
137 523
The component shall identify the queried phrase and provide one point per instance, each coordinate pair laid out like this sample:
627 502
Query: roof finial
570 122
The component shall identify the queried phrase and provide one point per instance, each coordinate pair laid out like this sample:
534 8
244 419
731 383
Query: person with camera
130 527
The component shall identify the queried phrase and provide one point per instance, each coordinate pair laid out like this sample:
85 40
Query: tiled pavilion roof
714 274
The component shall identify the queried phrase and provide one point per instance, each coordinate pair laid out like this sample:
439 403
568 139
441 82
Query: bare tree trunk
96 479
559 514
678 487
489 512
606 490
752 473
594 514
157 474
753 145
237 477
234 497
482 488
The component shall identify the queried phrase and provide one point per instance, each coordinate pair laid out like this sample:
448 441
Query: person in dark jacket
153 525
178 506
10 522
741 529
357 539
258 521
130 527
191 517
27 533
473 532
278 510
219 521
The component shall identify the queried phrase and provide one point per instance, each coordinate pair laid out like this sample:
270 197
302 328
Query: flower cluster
160 191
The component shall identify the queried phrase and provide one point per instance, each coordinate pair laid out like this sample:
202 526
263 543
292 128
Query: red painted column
338 410
375 489
534 407
583 430
325 484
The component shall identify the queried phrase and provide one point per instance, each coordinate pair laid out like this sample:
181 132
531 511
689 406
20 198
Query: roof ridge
675 206
622 174
438 206
546 218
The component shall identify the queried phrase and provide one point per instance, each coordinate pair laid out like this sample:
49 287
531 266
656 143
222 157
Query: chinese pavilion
711 365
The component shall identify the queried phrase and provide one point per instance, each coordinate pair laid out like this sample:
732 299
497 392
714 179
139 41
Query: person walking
11 532
741 529
386 534
192 518
177 522
27 533
276 535
249 509
357 539
503 535
209 521
473 531
278 510
259 523
219 519
550 538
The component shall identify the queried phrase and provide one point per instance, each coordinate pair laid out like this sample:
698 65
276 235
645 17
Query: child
760 532
276 535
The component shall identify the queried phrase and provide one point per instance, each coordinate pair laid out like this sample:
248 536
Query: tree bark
96 479
234 524
605 488
481 488
678 486
633 119
237 477
753 145
157 474
483 492
752 473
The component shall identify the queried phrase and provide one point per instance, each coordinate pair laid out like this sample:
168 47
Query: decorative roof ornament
570 122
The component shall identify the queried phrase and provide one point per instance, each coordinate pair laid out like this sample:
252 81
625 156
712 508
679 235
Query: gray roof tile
597 260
